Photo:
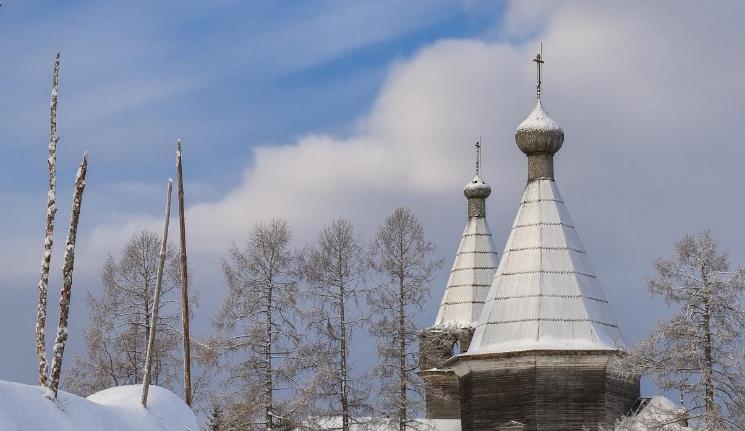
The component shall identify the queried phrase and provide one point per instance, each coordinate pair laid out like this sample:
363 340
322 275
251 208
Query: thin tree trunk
709 405
343 352
156 297
41 315
184 278
268 377
402 356
67 270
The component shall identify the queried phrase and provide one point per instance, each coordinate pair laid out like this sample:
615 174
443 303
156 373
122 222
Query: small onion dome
539 133
477 188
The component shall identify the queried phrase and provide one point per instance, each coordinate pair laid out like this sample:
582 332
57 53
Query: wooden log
184 278
156 298
41 314
67 270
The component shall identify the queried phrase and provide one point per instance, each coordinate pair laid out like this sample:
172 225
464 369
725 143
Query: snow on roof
25 407
470 277
538 121
545 295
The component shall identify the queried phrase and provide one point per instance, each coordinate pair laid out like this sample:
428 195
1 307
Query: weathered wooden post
41 314
184 278
67 270
156 297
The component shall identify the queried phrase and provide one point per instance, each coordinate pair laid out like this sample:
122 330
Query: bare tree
67 270
404 260
699 351
116 336
258 323
41 315
334 270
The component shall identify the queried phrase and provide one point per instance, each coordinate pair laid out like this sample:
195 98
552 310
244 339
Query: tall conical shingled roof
474 266
545 294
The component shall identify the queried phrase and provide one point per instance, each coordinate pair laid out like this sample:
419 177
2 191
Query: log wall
441 388
545 391
441 394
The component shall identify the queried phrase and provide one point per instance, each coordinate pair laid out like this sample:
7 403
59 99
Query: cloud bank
645 93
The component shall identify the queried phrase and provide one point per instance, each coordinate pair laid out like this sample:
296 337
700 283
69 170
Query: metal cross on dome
539 62
478 156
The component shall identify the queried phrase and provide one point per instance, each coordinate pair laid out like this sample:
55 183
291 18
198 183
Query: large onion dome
539 133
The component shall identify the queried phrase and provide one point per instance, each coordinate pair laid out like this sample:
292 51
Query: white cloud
618 78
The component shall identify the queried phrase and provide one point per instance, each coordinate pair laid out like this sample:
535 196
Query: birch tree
334 270
699 351
258 326
404 261
116 336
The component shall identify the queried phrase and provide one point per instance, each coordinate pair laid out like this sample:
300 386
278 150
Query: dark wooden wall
622 389
442 397
441 387
554 391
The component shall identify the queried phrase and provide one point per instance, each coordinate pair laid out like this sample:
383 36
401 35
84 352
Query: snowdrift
25 408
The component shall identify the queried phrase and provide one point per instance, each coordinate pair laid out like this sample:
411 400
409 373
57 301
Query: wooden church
526 341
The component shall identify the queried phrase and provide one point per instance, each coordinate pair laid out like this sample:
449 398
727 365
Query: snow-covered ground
25 407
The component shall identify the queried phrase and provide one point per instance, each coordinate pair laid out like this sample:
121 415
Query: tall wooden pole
156 297
41 314
184 278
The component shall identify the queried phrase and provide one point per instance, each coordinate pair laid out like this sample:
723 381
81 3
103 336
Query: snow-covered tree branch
334 270
403 260
699 351
258 325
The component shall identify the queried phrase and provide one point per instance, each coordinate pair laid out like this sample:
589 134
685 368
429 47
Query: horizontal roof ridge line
543 223
462 302
531 201
545 271
466 268
460 253
469 285
548 319
547 248
543 295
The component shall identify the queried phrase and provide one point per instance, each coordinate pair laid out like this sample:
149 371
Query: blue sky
224 76
312 110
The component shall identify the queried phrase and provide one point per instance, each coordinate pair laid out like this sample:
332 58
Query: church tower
546 347
470 278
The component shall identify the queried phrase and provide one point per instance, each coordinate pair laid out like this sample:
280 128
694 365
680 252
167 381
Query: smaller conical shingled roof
473 269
